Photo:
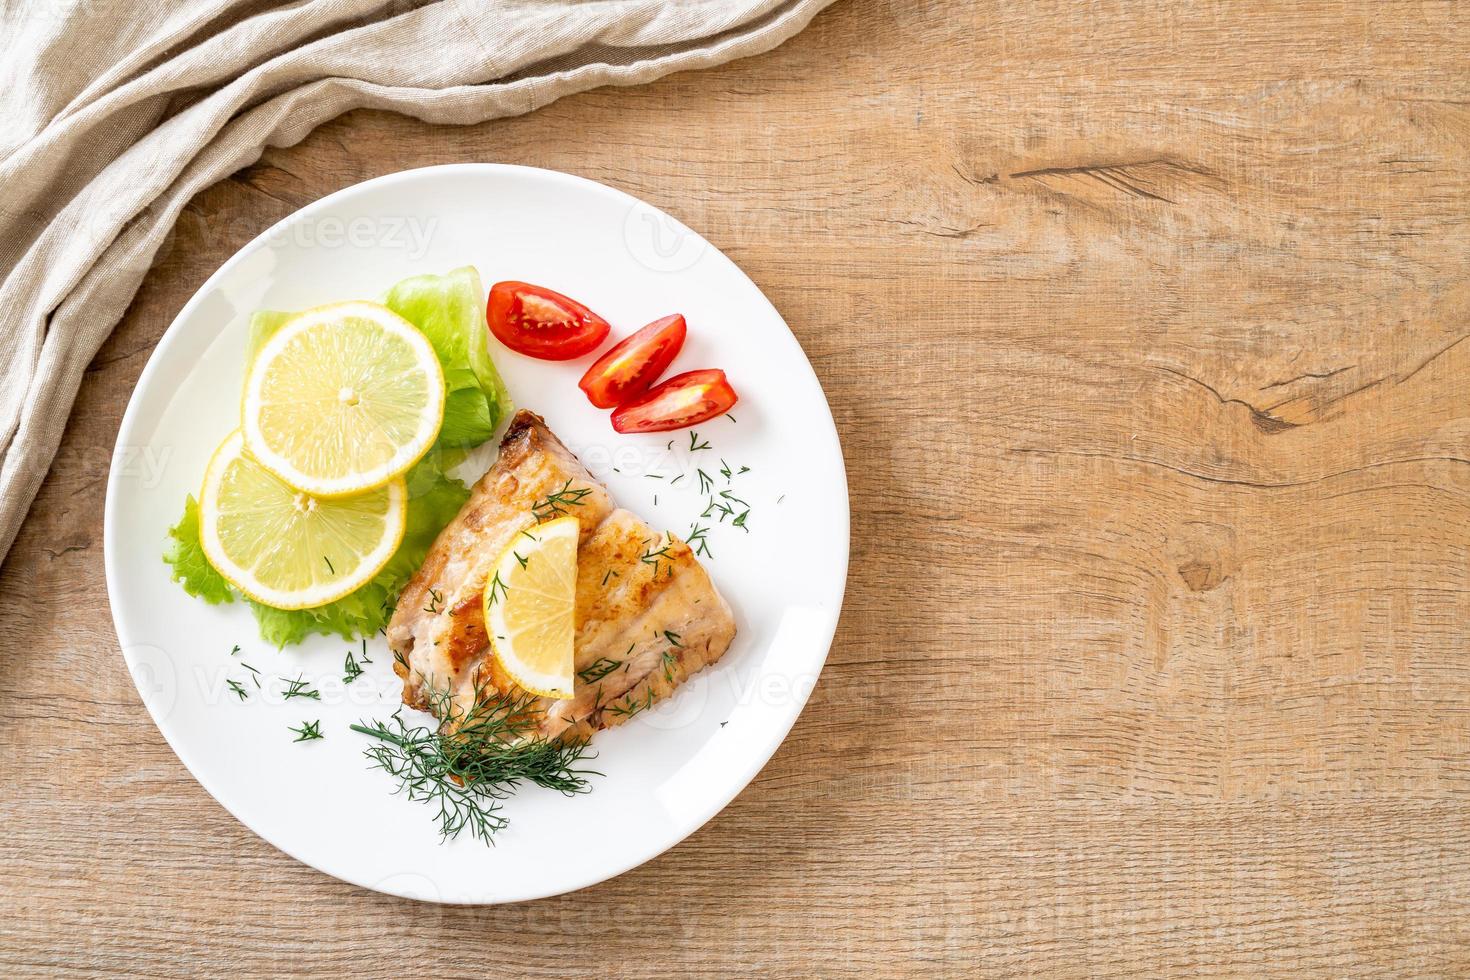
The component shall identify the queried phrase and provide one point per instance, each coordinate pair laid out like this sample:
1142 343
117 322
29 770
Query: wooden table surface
1143 325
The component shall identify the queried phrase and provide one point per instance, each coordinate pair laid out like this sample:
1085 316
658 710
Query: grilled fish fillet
647 614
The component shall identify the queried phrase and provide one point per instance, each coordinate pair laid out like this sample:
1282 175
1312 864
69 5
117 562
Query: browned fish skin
647 618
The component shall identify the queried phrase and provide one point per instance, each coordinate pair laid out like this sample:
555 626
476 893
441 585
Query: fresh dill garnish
631 707
694 444
364 657
477 757
651 557
496 585
716 507
436 602
254 674
670 447
351 669
235 650
729 416
237 690
676 479
725 470
740 522
533 537
610 573
653 476
671 660
672 638
598 670
742 471
706 484
730 496
308 731
699 541
557 503
655 500
523 561
329 564
299 689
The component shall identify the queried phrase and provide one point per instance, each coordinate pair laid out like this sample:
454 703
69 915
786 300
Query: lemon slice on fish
530 607
286 548
343 398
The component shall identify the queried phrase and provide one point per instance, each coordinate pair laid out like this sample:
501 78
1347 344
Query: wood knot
1201 576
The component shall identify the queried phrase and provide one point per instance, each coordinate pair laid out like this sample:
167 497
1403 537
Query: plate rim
776 734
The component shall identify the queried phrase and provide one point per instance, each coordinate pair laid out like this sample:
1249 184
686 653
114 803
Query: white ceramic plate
665 772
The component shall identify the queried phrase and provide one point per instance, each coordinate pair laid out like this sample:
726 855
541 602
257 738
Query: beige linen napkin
114 113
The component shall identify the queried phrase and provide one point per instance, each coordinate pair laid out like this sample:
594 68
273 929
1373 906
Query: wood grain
1144 325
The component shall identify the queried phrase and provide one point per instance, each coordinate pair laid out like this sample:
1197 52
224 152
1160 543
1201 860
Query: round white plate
667 771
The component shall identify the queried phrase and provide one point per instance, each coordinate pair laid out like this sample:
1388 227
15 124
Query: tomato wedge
684 399
541 322
628 369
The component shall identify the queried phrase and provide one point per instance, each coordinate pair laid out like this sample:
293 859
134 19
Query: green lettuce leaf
190 568
450 311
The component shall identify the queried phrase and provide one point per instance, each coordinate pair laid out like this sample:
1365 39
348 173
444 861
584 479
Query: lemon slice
286 548
530 605
343 398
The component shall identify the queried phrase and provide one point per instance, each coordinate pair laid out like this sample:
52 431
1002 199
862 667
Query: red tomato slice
627 370
684 399
539 322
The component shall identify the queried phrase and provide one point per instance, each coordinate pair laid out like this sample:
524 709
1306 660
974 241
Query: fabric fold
102 145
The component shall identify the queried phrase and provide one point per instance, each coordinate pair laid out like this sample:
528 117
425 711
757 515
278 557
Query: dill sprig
558 502
699 541
694 444
299 689
236 689
474 759
598 670
308 731
631 706
496 590
351 669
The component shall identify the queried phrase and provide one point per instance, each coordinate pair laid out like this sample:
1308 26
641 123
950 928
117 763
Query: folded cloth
113 115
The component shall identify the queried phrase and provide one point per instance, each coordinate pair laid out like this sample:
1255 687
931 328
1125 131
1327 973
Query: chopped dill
351 669
300 689
496 585
670 661
308 731
706 484
523 561
477 757
436 602
237 690
694 444
329 564
558 502
631 707
598 670
699 541
676 479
